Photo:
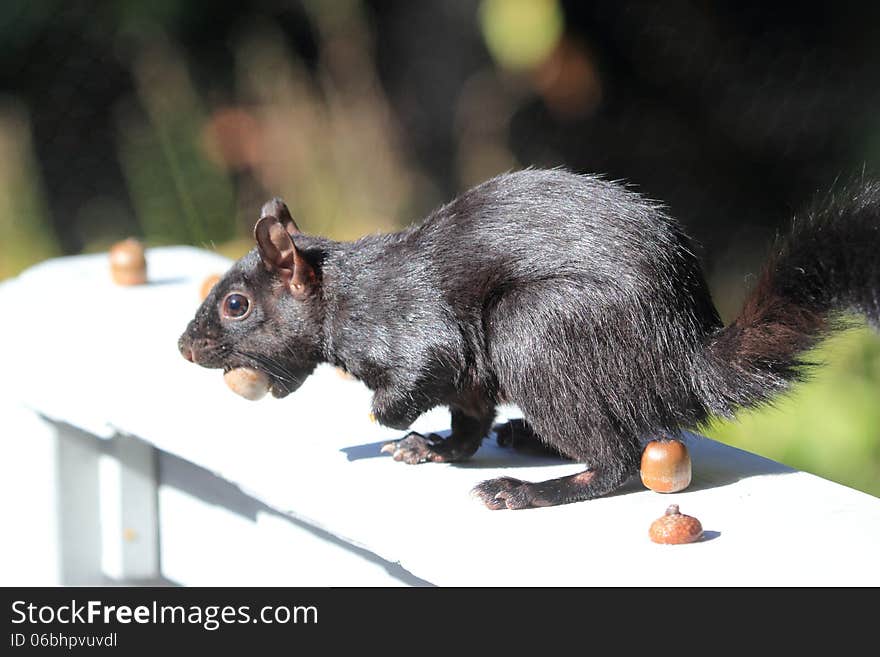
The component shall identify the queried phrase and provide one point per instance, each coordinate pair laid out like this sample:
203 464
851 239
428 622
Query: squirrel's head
266 312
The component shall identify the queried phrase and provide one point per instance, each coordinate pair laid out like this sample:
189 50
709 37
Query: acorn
249 383
128 264
675 528
207 285
666 466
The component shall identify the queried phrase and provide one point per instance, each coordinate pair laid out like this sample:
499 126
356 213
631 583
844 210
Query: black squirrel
569 295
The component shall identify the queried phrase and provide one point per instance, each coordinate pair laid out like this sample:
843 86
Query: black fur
571 296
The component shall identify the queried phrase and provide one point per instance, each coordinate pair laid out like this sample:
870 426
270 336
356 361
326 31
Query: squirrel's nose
186 350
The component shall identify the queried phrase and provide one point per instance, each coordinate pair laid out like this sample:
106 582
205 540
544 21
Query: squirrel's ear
280 255
278 208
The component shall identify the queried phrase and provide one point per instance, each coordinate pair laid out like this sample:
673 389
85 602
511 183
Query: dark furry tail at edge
828 263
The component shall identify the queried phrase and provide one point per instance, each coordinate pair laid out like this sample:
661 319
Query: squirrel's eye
236 306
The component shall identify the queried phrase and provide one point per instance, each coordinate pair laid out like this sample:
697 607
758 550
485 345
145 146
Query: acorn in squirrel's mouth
253 384
247 382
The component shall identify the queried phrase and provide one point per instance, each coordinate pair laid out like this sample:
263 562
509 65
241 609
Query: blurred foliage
179 195
25 233
175 121
521 34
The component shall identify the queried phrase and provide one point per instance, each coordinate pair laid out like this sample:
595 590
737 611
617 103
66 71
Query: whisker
271 366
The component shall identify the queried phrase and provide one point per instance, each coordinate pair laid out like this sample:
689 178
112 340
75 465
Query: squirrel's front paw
416 448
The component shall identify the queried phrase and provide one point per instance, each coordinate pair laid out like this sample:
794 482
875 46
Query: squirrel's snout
185 349
201 351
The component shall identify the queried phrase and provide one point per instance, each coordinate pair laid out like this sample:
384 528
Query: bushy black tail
828 263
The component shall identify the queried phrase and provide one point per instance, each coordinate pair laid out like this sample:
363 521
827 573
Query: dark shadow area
714 464
365 451
490 454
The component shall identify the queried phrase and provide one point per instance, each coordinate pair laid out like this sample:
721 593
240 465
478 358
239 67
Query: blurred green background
174 122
